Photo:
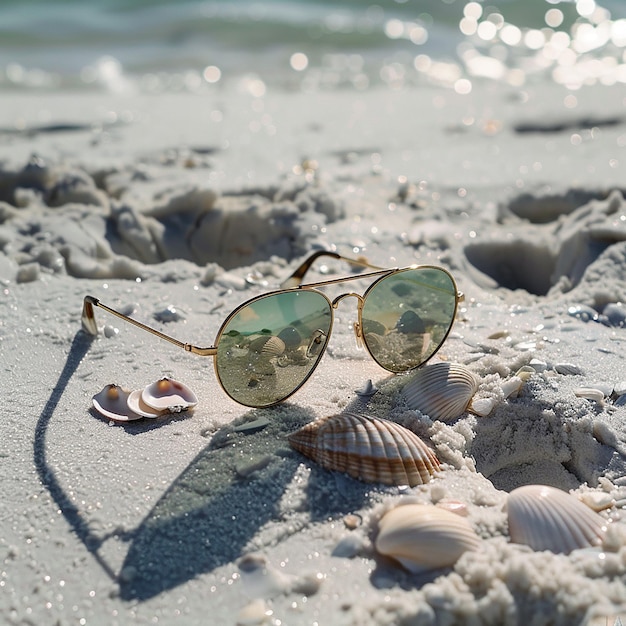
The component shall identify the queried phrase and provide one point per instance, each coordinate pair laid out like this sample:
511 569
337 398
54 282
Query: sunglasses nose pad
358 335
318 341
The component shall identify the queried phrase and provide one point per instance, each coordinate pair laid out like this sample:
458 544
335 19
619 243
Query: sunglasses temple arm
295 279
88 320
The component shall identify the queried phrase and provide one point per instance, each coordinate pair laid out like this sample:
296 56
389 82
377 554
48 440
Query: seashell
370 449
367 391
352 520
525 346
538 365
268 345
256 278
512 386
112 402
597 500
590 393
169 395
568 369
410 322
135 403
458 507
424 537
443 391
546 518
483 406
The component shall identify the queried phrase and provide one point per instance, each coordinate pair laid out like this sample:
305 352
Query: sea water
191 45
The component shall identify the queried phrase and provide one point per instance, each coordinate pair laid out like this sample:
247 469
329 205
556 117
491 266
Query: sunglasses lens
269 347
407 316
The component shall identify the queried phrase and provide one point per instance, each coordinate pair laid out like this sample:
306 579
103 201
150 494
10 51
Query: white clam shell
136 404
170 395
590 393
112 402
546 518
483 406
443 391
423 537
370 449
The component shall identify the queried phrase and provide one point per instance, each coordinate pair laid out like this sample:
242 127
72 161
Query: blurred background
196 45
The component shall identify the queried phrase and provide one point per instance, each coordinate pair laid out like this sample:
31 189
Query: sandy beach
175 209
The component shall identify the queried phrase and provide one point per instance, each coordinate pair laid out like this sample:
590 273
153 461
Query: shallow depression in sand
115 222
545 244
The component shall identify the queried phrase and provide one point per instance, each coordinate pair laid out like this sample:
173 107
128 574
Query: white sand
186 520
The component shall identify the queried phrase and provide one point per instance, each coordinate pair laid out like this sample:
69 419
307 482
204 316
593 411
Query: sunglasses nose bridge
357 326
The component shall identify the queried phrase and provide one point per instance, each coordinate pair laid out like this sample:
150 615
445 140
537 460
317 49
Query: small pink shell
169 395
370 449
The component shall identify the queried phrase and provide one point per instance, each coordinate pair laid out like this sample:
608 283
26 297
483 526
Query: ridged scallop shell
443 391
112 402
370 449
169 395
546 518
270 345
423 537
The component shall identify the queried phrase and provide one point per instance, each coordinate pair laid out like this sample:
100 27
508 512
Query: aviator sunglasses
269 346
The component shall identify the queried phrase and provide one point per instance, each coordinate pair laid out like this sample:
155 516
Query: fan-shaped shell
546 518
423 537
170 395
370 449
112 403
269 345
443 391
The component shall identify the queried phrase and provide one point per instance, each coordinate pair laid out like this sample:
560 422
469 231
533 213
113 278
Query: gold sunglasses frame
291 284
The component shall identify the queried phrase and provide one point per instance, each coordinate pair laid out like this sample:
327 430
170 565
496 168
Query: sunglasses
269 346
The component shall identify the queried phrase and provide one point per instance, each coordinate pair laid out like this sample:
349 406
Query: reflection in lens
407 316
270 346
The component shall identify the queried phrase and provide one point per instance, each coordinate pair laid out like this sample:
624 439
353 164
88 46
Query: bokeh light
212 74
299 61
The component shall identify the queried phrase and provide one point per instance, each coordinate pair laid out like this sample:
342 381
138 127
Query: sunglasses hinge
358 335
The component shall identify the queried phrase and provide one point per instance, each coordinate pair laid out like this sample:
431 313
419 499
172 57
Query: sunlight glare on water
199 45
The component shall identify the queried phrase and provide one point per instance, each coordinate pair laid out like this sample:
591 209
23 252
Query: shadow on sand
217 505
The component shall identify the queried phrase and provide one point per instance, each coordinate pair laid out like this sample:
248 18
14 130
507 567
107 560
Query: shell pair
159 398
422 536
370 449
